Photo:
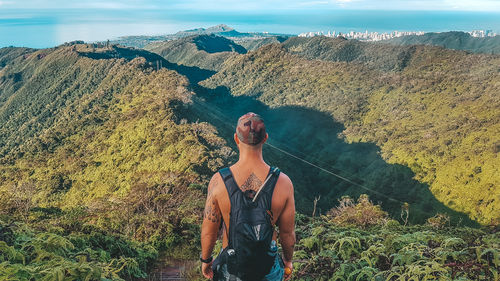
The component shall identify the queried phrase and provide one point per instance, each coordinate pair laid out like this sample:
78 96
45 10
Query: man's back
249 174
252 179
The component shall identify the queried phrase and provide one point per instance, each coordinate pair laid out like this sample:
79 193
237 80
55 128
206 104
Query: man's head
251 130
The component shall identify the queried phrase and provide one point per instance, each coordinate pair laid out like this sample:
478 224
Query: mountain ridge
106 153
204 51
408 112
219 30
456 40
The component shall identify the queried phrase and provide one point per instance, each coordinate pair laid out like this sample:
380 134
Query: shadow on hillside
195 74
313 136
216 44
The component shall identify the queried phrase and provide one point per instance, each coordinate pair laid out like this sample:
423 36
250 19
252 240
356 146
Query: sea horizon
51 27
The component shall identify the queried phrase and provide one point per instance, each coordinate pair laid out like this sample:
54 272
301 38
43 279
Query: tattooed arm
212 217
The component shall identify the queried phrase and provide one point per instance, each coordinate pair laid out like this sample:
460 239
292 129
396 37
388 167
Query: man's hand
288 265
206 269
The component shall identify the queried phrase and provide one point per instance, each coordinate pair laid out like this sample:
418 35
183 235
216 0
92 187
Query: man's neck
251 157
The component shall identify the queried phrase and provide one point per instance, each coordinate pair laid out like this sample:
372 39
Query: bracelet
209 260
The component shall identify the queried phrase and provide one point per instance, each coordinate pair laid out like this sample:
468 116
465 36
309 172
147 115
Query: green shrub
363 213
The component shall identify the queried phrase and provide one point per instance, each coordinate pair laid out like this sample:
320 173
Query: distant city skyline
376 36
259 5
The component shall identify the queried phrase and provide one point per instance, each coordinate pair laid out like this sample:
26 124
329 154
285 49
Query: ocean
44 28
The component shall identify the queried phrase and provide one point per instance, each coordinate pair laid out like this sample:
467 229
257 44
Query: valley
106 152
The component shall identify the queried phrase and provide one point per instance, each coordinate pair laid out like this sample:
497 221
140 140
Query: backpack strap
273 172
229 182
232 186
268 189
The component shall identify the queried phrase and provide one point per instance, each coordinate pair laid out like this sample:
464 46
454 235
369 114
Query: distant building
482 33
375 36
362 36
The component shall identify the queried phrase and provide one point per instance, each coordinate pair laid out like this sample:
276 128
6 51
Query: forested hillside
376 56
430 109
253 44
204 51
220 30
452 40
95 148
106 151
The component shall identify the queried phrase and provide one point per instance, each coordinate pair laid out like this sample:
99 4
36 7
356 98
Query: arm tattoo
212 212
251 183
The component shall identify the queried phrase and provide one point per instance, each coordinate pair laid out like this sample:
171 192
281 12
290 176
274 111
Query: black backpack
250 228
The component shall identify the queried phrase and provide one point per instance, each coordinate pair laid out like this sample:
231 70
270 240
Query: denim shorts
276 273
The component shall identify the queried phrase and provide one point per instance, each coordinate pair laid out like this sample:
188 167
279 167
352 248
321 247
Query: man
249 175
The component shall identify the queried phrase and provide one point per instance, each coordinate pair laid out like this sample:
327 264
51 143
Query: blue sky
46 23
259 5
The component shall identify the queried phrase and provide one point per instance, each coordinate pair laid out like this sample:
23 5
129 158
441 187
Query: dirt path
171 270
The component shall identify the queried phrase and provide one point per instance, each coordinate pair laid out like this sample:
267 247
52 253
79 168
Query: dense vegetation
330 248
251 44
376 56
63 248
358 241
452 40
82 130
436 112
104 161
204 51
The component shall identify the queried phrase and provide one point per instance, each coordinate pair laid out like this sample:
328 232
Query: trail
168 269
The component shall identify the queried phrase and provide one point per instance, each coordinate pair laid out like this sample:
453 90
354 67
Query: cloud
468 5
313 3
113 5
92 4
256 5
5 3
427 5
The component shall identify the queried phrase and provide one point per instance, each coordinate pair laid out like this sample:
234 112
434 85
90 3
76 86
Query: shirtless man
249 173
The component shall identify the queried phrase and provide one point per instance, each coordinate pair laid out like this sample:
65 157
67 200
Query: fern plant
347 246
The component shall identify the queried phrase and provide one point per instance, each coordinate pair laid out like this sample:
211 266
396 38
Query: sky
46 23
258 5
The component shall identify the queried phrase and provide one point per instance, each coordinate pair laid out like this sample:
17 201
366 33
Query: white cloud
313 3
114 5
92 4
257 5
477 5
5 3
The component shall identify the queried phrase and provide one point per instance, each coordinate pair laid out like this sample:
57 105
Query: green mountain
435 112
377 56
451 40
105 158
254 43
219 30
91 102
93 142
203 51
7 55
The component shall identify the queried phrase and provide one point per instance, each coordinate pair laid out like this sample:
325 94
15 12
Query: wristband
209 260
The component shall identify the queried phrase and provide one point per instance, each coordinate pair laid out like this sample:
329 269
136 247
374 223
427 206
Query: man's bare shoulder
215 184
284 183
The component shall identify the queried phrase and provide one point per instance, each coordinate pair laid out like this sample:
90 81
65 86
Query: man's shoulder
284 183
284 178
216 183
